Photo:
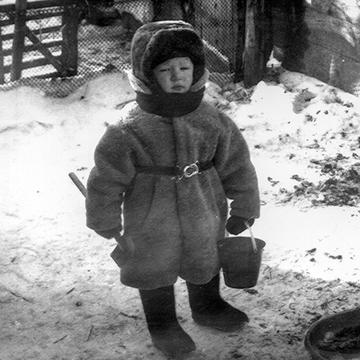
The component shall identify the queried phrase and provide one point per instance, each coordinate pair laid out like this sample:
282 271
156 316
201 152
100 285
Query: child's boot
209 309
166 333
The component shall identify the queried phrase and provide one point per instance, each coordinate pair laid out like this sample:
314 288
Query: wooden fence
57 19
234 42
320 38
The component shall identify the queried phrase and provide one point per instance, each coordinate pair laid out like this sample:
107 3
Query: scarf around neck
168 104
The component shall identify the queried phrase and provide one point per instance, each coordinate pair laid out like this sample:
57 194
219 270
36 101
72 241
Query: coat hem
151 285
148 285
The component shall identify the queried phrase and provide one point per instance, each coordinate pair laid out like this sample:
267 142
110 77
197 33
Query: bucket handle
253 241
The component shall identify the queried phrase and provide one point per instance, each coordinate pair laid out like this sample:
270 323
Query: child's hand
236 225
109 234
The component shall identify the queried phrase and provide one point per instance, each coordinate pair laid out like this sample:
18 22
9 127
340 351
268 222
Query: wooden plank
265 33
44 15
19 39
252 54
33 63
45 51
238 11
53 74
258 40
35 47
70 25
9 5
47 30
281 17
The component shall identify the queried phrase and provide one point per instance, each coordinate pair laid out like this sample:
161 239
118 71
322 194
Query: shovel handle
78 183
119 239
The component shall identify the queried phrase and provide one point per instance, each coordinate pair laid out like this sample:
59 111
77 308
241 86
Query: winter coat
175 224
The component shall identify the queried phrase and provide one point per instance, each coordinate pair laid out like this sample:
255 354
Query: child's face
175 75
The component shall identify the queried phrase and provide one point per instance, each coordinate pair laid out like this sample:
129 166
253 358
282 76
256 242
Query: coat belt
177 171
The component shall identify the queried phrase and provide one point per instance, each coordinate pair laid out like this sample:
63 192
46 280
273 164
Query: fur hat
156 42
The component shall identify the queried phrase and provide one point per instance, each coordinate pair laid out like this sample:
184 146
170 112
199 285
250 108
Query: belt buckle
191 170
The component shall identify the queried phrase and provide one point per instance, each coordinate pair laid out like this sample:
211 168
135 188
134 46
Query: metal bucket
240 259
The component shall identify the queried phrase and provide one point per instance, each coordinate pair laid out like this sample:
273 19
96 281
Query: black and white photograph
180 179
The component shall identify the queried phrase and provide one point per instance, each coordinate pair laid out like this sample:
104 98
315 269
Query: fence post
238 11
2 70
258 41
70 25
251 51
19 39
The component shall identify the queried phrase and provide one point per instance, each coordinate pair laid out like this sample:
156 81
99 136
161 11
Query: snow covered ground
60 293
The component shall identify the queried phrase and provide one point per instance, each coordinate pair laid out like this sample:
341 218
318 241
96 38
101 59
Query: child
172 161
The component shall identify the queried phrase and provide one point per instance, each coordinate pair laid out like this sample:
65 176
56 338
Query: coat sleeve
108 180
236 171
